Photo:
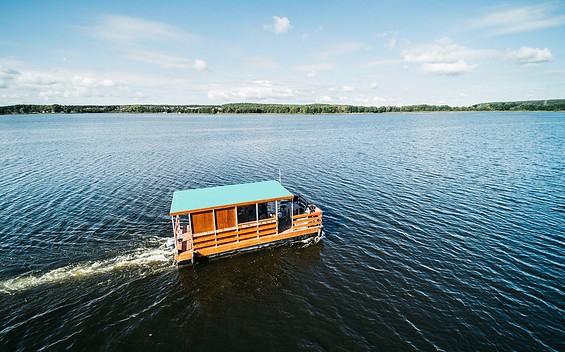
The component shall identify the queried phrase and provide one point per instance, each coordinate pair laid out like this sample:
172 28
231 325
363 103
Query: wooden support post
215 230
188 224
257 217
291 213
236 225
191 224
174 234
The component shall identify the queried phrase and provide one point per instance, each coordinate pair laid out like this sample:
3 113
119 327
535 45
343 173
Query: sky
356 52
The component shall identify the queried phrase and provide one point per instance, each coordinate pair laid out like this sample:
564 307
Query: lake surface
442 232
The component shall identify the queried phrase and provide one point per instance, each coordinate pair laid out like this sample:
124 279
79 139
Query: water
442 232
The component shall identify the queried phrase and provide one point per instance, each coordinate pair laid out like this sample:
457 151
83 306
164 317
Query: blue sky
358 52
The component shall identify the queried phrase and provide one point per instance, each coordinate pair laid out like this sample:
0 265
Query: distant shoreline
252 108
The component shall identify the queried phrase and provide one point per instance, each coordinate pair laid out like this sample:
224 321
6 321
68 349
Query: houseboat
216 221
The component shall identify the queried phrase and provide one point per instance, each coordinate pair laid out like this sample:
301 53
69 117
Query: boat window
266 210
284 209
183 222
246 213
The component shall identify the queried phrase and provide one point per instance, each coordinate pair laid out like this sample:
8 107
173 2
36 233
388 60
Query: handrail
306 220
248 234
242 232
186 240
306 215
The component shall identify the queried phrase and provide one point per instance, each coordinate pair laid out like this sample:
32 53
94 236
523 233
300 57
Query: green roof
206 198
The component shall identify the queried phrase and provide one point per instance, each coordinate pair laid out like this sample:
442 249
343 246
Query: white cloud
279 25
15 78
135 39
57 85
521 19
442 50
63 86
260 62
347 88
312 70
157 58
378 63
199 65
255 90
339 49
20 83
391 43
7 72
391 39
450 69
373 85
337 99
125 29
529 56
445 57
84 81
7 76
33 79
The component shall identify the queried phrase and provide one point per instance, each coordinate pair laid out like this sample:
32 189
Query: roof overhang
201 199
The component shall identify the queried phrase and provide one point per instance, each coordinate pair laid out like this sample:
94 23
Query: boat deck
214 221
307 220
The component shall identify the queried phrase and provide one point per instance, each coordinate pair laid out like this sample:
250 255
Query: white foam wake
142 257
311 240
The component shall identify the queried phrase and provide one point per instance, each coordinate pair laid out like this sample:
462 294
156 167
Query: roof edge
207 198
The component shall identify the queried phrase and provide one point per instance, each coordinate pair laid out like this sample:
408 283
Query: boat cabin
209 222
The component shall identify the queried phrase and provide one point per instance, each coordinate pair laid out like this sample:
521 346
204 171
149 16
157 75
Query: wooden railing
306 221
246 235
242 232
184 233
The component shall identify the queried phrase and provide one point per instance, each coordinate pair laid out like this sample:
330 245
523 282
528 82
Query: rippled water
442 232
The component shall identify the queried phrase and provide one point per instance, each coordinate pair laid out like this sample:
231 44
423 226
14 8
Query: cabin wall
202 222
225 218
234 228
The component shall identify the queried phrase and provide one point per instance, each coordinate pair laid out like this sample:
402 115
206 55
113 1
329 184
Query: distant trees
86 109
253 108
530 105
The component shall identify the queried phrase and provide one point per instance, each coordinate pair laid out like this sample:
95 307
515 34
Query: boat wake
311 240
152 258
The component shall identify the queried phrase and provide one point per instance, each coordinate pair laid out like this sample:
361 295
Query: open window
246 213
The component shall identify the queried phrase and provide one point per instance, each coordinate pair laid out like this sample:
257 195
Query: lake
443 231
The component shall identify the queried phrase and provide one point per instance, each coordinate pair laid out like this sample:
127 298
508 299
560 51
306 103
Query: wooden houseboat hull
225 220
199 257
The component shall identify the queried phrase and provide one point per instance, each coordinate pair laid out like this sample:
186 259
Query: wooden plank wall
225 218
202 222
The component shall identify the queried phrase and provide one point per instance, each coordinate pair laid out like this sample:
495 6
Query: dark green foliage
530 105
252 108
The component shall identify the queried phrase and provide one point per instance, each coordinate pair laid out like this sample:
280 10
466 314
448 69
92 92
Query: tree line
252 108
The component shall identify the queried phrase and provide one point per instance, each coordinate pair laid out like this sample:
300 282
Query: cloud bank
520 19
279 25
530 56
444 57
